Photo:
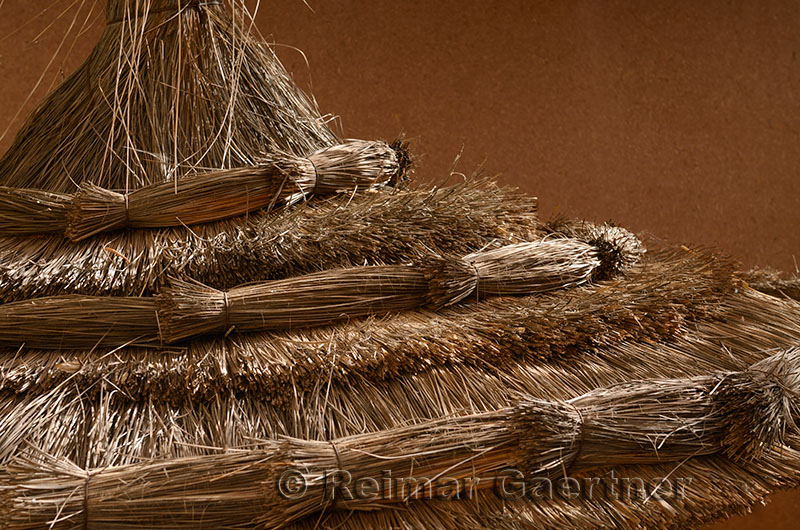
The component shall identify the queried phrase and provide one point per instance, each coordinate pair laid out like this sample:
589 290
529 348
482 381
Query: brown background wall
677 118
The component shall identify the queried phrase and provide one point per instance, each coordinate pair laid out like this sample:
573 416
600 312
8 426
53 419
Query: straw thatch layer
645 422
379 228
655 302
185 310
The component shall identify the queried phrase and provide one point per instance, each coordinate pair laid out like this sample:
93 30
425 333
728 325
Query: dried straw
773 282
186 310
178 89
277 180
655 303
172 88
351 167
635 422
379 228
156 429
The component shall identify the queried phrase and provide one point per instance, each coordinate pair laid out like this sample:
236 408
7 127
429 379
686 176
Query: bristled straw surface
637 422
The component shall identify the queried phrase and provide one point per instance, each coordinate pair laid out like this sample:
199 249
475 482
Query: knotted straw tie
334 499
177 9
477 280
89 476
226 313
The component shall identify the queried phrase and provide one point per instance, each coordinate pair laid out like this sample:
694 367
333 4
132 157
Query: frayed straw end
405 163
617 249
760 404
357 164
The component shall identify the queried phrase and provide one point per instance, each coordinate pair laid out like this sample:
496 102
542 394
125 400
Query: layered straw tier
743 415
187 310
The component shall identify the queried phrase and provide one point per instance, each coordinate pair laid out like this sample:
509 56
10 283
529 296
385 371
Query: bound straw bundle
277 180
636 422
186 310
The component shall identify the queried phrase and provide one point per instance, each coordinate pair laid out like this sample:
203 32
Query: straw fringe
632 423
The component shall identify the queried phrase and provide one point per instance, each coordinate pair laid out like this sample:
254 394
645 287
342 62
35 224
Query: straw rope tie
334 499
477 279
127 209
176 9
89 476
226 314
581 436
316 175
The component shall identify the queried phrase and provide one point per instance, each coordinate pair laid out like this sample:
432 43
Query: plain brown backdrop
680 119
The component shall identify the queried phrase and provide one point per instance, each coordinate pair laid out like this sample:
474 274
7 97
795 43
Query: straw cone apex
172 88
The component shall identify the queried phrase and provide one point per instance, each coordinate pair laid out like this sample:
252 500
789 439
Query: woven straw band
353 166
743 415
186 309
121 10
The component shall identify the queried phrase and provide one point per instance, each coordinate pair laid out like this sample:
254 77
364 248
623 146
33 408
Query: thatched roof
443 332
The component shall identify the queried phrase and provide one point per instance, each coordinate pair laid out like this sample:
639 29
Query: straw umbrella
228 371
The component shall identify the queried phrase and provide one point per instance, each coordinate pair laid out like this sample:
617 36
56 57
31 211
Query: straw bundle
354 166
636 422
186 310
